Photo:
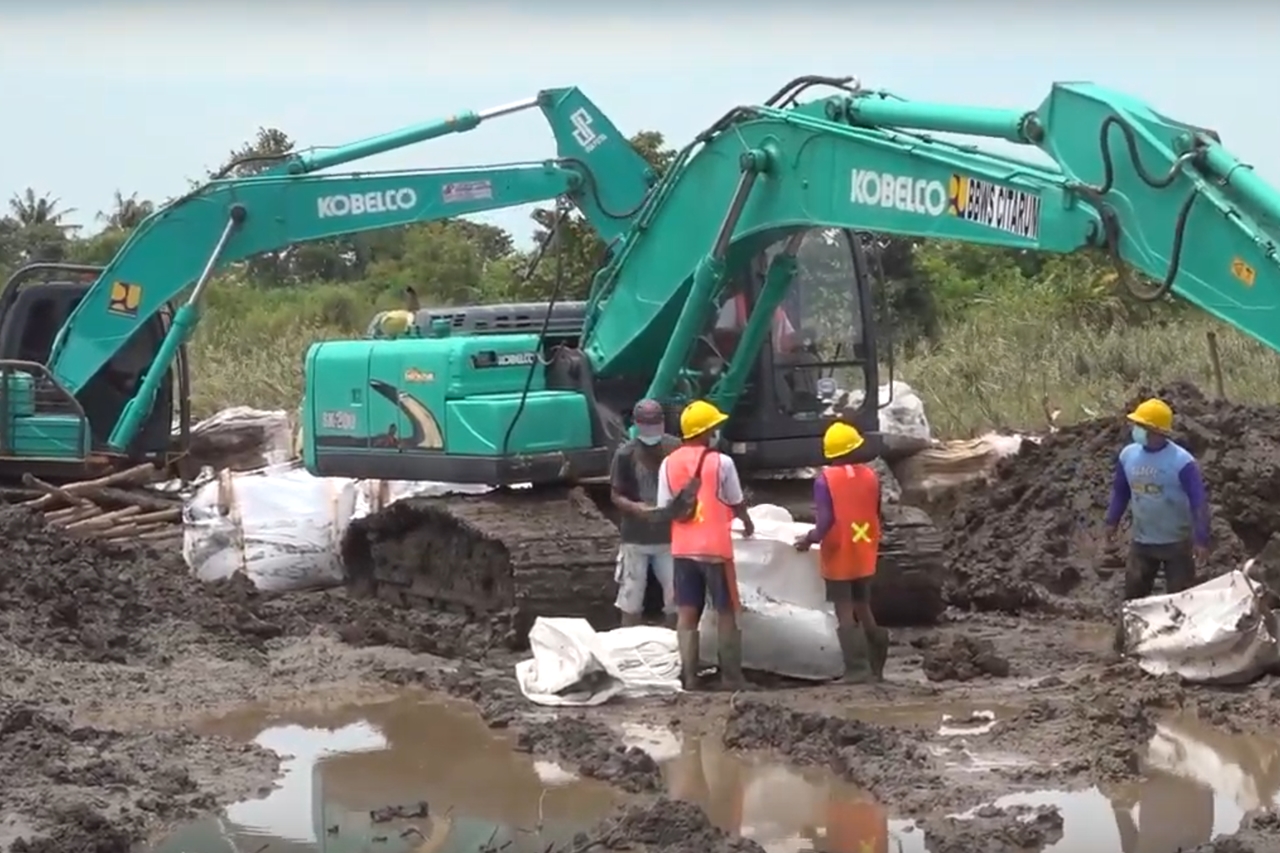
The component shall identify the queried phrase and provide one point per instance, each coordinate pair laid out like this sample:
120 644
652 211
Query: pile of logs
114 508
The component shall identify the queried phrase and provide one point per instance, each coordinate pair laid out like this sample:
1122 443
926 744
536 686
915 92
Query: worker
847 510
731 319
645 533
700 489
1160 483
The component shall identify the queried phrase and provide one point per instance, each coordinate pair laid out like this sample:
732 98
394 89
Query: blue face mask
651 440
1139 434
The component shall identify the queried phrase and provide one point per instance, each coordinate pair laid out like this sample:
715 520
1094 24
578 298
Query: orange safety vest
707 535
856 826
781 330
849 550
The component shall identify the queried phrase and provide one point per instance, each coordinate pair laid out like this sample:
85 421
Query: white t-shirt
728 486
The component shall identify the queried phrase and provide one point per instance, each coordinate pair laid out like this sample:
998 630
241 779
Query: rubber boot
688 642
878 640
854 649
731 677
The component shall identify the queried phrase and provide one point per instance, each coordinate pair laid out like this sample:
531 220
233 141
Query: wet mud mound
593 751
1115 713
1258 833
670 826
962 658
887 762
82 788
1017 829
1033 538
72 599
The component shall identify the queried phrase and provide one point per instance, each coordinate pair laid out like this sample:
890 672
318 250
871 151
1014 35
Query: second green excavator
698 301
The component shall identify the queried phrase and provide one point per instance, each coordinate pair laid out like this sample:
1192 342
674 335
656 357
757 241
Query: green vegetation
990 338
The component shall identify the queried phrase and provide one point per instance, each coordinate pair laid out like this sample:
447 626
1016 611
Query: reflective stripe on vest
850 548
707 535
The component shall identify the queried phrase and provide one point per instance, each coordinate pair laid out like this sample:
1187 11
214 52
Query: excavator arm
229 219
1161 196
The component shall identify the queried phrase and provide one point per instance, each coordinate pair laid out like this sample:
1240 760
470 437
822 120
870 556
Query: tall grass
997 364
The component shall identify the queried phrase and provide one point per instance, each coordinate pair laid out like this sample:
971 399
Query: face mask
1139 435
651 440
715 437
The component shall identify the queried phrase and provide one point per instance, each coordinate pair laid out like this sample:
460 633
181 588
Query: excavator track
528 552
553 551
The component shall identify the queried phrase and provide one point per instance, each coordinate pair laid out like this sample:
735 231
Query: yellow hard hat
699 417
393 324
1153 414
841 438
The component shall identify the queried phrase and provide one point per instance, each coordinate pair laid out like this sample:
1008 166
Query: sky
143 97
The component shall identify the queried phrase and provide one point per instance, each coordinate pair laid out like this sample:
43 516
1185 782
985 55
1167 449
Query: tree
31 210
127 212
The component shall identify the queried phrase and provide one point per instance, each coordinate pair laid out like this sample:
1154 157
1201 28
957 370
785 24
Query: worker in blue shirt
1160 483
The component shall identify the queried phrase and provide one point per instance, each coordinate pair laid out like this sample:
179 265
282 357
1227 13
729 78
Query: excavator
93 365
532 399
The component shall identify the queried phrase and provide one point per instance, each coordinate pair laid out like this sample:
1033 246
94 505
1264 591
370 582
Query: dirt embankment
1033 539
93 628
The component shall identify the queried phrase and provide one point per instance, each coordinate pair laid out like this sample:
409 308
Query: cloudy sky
141 97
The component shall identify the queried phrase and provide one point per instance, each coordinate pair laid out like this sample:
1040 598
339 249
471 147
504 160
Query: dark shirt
633 479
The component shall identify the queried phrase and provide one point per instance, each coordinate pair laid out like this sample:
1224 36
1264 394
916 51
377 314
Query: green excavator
532 399
93 368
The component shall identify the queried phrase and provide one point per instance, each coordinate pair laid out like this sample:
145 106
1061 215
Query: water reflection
344 762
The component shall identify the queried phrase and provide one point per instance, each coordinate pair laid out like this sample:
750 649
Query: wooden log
54 492
62 518
137 474
162 536
18 494
105 518
108 495
168 515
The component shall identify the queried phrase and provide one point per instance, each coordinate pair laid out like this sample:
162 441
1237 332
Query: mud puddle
401 775
349 767
1199 784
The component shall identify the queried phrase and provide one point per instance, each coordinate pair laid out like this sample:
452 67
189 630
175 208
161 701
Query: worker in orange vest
700 489
847 508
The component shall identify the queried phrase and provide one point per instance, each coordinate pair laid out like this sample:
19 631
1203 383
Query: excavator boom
1128 181
292 200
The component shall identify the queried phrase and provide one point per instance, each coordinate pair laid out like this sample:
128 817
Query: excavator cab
48 431
819 361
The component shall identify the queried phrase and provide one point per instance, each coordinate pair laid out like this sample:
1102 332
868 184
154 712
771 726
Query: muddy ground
107 652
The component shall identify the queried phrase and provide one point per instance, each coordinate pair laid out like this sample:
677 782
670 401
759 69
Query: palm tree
29 210
127 212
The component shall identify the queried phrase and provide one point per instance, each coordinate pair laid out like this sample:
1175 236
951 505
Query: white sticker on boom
466 191
1002 208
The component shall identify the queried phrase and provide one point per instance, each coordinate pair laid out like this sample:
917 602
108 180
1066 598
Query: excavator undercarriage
552 551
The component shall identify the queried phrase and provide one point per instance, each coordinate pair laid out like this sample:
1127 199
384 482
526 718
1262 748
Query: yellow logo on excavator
957 195
1247 274
125 299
